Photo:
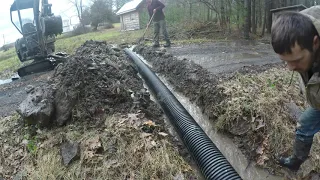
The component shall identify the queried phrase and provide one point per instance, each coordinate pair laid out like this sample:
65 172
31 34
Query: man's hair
292 27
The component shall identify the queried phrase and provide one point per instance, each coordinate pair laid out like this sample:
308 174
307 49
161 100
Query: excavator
39 28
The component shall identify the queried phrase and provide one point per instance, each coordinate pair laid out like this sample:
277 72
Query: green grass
9 62
110 35
4 55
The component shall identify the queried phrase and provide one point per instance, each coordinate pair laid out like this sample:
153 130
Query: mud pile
112 130
187 77
97 80
250 105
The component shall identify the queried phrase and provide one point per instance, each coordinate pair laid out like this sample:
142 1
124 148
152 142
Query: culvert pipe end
211 162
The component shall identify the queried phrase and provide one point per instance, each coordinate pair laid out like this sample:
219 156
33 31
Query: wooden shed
295 8
130 15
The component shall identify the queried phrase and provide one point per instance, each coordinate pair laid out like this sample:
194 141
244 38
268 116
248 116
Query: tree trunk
222 14
247 19
269 15
264 22
290 2
260 13
307 3
238 15
190 11
249 14
254 26
229 5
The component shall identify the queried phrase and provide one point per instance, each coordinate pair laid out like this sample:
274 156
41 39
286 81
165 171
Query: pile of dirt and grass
93 119
251 105
97 80
187 77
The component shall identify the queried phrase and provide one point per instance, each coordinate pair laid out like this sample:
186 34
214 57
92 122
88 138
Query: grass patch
113 35
256 112
10 63
4 55
125 151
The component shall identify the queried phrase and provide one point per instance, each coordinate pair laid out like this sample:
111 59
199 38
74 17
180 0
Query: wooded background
247 16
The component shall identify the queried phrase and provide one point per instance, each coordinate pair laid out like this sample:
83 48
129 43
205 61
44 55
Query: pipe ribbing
210 160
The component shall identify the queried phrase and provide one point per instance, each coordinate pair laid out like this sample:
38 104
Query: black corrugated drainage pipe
210 160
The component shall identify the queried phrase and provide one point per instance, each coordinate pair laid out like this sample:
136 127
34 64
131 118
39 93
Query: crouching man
295 38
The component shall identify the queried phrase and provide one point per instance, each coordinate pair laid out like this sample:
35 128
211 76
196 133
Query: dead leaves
148 126
92 148
262 151
257 123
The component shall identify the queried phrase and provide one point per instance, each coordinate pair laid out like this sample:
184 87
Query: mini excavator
39 28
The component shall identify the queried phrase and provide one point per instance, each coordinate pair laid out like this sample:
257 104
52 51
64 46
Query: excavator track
47 64
36 67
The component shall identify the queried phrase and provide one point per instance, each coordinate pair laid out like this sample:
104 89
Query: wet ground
221 57
218 57
227 57
12 94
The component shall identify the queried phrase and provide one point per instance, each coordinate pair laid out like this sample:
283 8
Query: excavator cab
39 30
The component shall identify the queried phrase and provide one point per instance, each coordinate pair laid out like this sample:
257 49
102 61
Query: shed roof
299 7
129 7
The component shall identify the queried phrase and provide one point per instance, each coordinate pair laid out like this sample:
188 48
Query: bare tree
247 19
120 3
219 8
268 6
78 5
264 22
253 22
101 11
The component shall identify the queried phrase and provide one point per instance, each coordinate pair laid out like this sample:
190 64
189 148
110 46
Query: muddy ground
242 106
12 94
96 113
220 59
226 57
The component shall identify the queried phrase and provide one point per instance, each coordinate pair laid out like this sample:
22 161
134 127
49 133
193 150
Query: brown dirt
99 79
189 78
96 92
96 80
273 137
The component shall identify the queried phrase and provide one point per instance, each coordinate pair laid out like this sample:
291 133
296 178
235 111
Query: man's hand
154 11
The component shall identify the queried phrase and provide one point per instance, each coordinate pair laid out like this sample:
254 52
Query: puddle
247 170
5 81
247 55
240 43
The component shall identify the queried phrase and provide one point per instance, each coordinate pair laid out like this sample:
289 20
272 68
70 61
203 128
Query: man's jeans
157 25
308 125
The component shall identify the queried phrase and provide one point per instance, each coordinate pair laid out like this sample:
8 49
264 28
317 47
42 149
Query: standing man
155 7
295 38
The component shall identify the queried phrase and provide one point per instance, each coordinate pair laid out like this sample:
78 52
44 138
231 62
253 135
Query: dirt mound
97 80
189 78
250 105
116 131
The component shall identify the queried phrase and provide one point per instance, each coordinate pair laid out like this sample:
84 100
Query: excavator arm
38 36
